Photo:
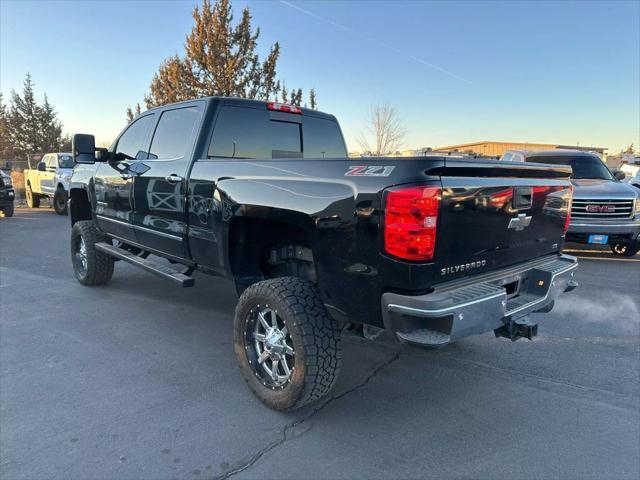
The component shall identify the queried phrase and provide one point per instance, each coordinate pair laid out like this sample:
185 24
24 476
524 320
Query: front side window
251 133
131 142
173 133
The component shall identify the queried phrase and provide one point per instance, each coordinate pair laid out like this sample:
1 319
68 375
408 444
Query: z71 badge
369 171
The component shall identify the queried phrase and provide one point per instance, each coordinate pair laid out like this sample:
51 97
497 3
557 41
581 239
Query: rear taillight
283 107
569 201
410 220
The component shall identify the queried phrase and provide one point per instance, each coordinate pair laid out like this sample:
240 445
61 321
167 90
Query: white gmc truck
50 179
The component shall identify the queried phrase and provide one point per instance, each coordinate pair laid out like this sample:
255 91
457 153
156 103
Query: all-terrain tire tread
99 264
320 334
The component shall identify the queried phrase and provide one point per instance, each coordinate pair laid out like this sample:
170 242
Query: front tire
625 249
33 200
287 346
8 211
60 201
91 266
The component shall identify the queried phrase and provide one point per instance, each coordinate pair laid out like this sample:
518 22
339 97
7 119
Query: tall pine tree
220 59
32 128
5 152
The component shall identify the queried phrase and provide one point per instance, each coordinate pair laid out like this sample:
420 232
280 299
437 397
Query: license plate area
597 239
511 285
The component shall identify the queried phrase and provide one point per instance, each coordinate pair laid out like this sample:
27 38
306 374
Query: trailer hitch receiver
519 328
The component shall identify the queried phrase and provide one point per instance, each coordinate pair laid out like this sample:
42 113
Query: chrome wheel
269 347
81 256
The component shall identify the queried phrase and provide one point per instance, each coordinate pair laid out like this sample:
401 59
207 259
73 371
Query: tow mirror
41 167
619 174
84 148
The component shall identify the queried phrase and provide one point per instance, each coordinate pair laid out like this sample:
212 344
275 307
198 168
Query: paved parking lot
138 379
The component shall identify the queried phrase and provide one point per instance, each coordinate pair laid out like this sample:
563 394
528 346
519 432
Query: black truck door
160 188
113 180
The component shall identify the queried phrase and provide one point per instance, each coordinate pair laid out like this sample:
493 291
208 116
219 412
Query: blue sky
457 72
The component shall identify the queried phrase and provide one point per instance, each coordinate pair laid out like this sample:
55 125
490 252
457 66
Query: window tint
131 142
322 138
583 166
65 161
250 133
173 133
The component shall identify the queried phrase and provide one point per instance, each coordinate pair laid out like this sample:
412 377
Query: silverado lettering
463 267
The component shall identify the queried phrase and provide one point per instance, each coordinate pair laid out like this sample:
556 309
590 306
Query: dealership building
496 149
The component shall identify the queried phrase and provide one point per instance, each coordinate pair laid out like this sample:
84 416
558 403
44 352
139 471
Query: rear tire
91 266
33 200
625 249
60 201
282 325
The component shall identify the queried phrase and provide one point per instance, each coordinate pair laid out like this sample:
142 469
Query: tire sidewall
8 211
60 196
30 197
76 235
278 398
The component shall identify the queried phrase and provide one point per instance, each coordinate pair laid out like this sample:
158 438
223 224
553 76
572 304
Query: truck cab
50 179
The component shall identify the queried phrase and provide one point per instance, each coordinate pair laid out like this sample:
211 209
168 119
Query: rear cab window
253 133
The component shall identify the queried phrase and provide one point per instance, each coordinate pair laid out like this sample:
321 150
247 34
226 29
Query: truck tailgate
496 214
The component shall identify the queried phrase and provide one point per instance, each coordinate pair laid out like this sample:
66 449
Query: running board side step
163 271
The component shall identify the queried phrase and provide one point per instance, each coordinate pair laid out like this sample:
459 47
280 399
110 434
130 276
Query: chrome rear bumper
480 304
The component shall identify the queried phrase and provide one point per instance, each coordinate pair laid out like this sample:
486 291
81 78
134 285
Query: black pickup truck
428 249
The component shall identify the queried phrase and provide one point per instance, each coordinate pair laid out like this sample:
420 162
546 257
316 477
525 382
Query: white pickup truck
50 179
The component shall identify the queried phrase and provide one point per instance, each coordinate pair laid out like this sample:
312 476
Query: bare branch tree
386 130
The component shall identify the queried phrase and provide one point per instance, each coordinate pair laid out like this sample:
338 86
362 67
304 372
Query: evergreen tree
220 59
313 101
129 114
284 93
32 128
296 97
4 131
50 128
24 126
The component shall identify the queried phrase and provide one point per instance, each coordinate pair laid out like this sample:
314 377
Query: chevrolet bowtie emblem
520 222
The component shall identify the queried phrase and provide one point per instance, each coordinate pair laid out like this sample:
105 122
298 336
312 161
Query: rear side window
251 133
173 133
322 138
131 142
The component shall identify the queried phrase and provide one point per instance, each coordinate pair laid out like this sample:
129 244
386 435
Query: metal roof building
496 149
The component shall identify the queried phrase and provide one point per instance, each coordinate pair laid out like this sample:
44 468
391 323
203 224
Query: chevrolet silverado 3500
429 249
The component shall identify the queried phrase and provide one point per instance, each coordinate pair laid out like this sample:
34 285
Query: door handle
173 179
